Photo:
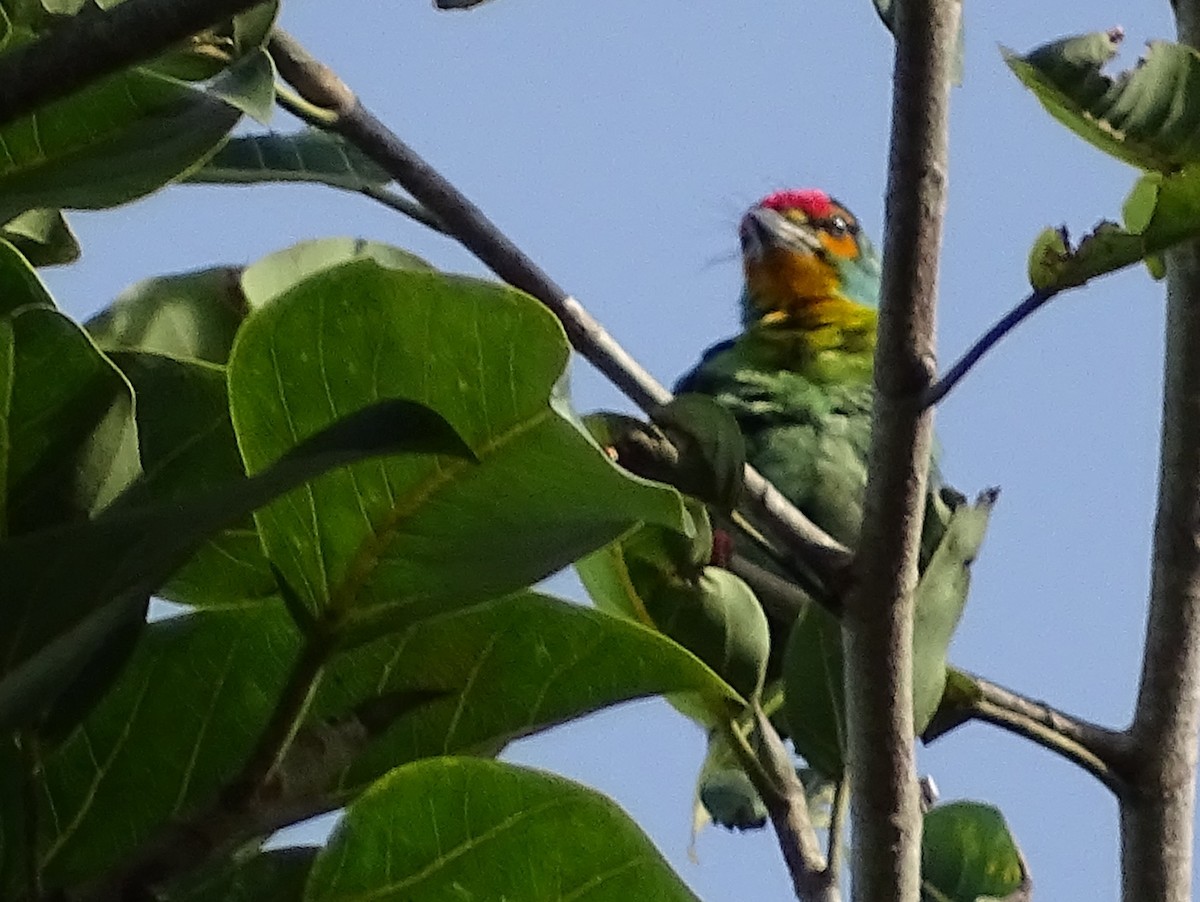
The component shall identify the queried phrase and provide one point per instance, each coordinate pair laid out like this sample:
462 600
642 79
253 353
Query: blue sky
617 142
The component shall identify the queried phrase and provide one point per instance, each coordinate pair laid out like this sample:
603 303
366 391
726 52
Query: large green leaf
467 828
967 855
1148 116
308 156
403 539
68 589
186 711
509 667
177 726
117 139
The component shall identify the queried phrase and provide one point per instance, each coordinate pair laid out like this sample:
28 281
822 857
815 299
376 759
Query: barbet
798 377
798 380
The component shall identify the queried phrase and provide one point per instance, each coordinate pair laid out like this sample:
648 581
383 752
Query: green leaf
712 450
176 727
71 587
188 315
266 279
714 615
249 86
813 667
509 667
465 828
724 794
967 854
813 700
941 596
15 765
187 444
275 876
308 156
1148 116
188 708
71 442
115 140
43 237
391 542
20 285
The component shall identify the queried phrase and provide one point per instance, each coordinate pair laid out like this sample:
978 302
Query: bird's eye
837 225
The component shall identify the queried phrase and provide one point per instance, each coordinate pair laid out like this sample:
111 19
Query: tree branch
936 392
317 84
770 770
98 42
878 623
1157 814
1102 752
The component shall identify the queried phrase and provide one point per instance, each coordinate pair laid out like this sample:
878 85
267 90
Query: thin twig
878 623
1034 302
404 205
837 819
770 769
319 85
1102 752
98 42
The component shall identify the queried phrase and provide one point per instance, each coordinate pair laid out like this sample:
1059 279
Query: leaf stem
1017 315
770 770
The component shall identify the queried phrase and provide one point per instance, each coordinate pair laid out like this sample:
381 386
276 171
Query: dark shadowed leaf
71 441
465 828
187 315
20 284
117 139
186 711
187 443
177 725
69 588
43 237
392 541
275 876
307 156
967 854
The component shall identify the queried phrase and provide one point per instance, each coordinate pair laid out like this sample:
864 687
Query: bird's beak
764 230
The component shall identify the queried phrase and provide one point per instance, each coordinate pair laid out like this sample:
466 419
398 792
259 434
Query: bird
798 380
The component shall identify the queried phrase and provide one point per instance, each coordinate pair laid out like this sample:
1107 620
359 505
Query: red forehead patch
812 202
